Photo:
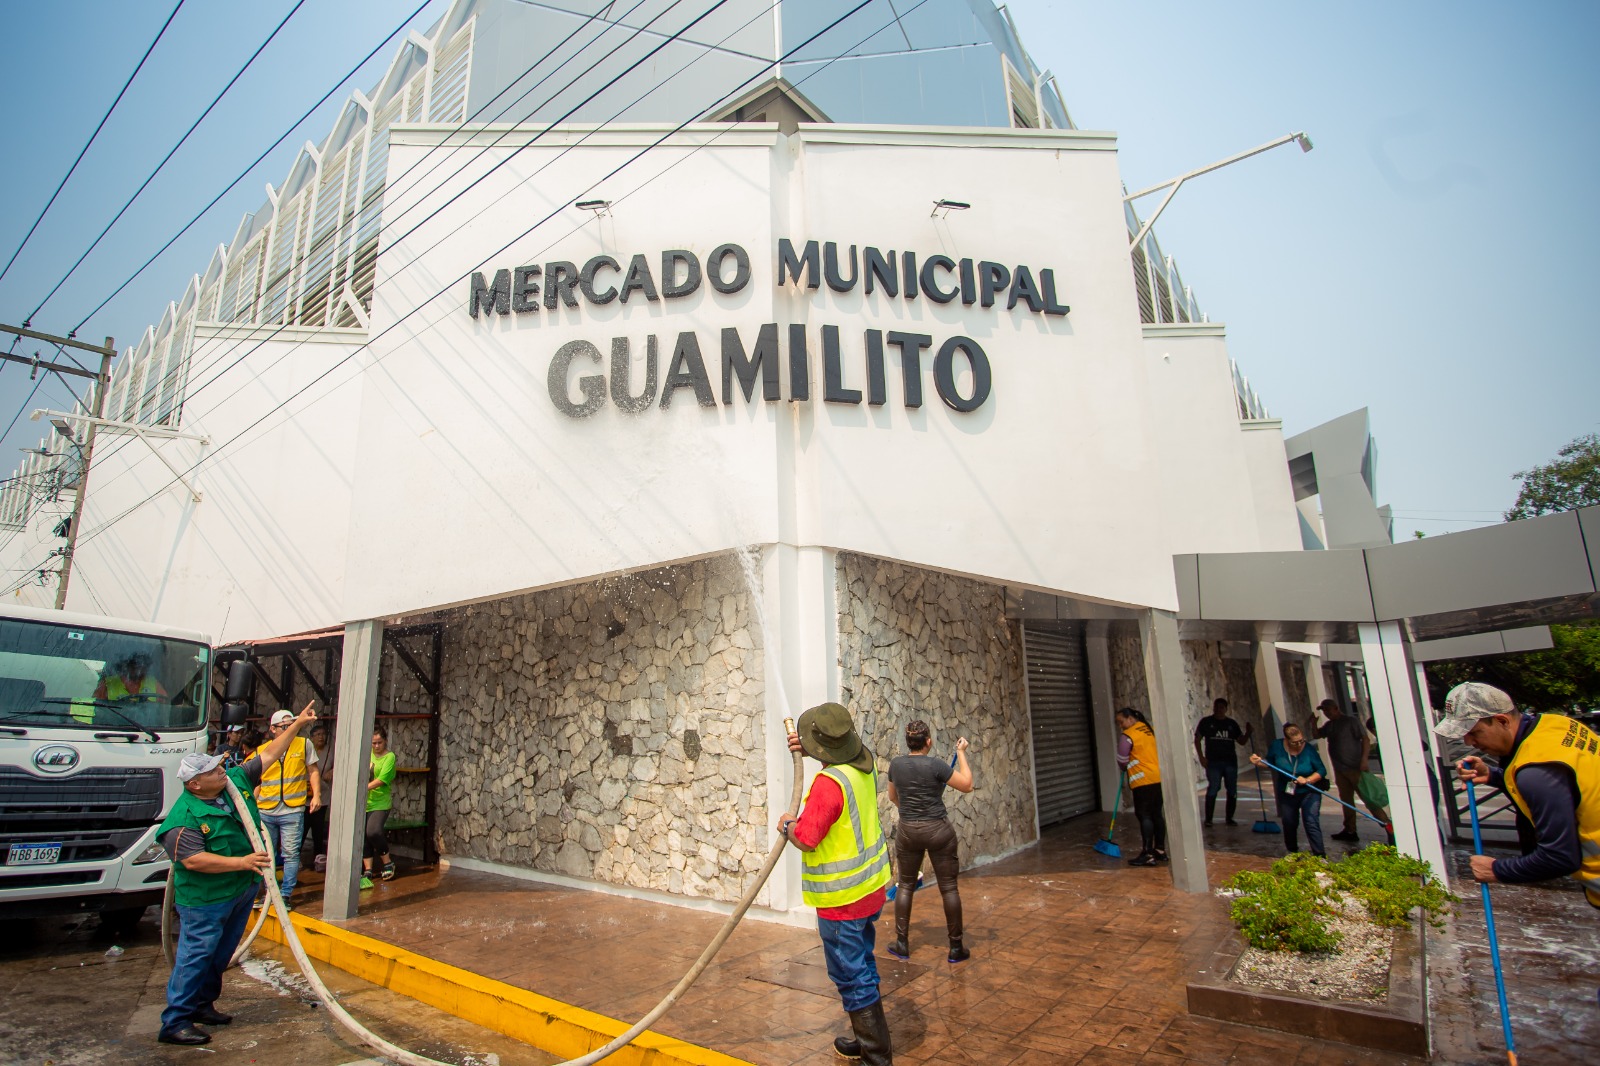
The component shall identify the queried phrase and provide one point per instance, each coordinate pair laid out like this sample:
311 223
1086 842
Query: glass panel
70 677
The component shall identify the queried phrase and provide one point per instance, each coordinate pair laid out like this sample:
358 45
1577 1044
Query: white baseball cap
282 718
195 763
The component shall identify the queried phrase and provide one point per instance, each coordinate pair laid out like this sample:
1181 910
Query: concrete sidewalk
1076 959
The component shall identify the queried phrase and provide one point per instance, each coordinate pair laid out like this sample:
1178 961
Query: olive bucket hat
829 736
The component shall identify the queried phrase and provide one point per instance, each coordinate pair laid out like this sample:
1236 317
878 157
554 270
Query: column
1394 706
1269 689
1316 692
347 803
1169 716
1097 648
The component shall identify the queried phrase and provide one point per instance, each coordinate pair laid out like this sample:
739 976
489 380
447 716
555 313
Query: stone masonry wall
915 643
611 730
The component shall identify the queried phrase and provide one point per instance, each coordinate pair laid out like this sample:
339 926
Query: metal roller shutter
1063 727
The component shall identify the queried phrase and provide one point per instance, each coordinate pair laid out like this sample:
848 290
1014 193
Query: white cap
282 718
1470 703
195 763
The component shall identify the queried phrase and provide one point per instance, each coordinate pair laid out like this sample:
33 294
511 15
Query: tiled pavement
1076 959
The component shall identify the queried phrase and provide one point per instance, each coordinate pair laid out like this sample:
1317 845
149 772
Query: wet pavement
65 1002
1077 958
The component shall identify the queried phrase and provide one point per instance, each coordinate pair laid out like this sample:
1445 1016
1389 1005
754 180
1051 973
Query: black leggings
377 840
1148 807
937 840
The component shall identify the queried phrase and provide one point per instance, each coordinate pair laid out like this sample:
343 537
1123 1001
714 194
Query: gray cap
1468 704
196 763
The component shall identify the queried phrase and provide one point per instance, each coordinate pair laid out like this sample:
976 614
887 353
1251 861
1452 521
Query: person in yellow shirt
130 680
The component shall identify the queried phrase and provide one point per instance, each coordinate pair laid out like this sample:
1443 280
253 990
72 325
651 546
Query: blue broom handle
1488 921
1330 795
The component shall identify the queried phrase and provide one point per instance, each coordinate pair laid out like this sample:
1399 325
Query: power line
218 99
191 393
253 164
441 291
103 118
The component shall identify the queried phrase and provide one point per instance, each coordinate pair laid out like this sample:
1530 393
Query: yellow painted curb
547 1024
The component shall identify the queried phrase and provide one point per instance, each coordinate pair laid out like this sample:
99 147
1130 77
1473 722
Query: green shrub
1390 885
1287 907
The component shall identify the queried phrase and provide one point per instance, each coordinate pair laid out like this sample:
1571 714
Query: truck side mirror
235 713
241 680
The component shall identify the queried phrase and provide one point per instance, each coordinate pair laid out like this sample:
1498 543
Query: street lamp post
1174 184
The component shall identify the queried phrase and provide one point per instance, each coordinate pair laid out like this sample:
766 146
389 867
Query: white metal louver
1062 721
450 66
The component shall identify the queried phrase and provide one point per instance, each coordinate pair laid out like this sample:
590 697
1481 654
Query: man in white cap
215 874
290 789
1550 767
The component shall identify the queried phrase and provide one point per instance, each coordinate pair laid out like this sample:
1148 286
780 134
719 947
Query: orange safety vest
1144 768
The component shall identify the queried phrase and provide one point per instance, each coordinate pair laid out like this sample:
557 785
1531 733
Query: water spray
408 1058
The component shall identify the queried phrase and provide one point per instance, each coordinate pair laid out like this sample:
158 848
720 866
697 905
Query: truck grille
95 815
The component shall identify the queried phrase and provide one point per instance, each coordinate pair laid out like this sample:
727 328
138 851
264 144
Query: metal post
358 705
100 389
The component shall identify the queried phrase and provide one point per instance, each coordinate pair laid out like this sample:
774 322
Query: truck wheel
120 921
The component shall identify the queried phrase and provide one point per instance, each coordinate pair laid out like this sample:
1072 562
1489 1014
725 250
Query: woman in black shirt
916 785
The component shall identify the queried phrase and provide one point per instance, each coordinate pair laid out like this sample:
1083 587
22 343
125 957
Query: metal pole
83 474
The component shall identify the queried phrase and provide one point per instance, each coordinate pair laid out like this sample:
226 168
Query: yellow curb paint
545 1023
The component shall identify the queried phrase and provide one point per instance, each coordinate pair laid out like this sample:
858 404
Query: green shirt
222 834
382 798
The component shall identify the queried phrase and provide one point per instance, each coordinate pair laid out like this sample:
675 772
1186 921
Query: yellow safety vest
852 860
116 689
1144 768
1558 739
288 778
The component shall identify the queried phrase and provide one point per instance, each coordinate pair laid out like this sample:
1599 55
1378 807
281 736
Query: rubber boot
872 1035
901 948
847 1047
958 951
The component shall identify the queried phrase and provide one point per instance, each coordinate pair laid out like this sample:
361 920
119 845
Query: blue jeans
286 831
1218 774
1305 807
848 946
207 937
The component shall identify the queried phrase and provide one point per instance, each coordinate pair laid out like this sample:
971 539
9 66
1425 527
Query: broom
1263 824
1105 847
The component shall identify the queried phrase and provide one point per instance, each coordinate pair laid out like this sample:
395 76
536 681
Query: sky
1429 260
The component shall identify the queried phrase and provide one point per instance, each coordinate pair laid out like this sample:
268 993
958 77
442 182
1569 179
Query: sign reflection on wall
749 362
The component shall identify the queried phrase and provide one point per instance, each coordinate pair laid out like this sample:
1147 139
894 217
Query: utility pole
107 352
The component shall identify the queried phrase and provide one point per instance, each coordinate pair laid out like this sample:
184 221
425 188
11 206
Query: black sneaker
1161 856
184 1034
1142 859
1232 822
1344 836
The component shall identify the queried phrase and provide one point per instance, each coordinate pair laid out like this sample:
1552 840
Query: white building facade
698 386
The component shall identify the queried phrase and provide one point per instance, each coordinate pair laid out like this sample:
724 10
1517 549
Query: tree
1569 481
1564 678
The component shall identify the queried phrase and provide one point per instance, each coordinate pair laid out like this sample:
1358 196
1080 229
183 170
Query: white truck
95 714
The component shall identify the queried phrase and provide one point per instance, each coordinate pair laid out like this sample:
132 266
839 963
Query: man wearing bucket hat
844 870
1550 767
215 874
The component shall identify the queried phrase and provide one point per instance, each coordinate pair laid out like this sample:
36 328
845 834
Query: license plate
33 854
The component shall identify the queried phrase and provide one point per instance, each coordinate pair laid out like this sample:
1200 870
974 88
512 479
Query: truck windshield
61 676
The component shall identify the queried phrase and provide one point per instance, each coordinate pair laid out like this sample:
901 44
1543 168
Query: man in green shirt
215 875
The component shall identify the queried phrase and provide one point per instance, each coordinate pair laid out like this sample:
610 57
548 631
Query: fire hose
399 1054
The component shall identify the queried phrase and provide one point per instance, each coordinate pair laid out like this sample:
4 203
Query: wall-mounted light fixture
599 207
946 206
